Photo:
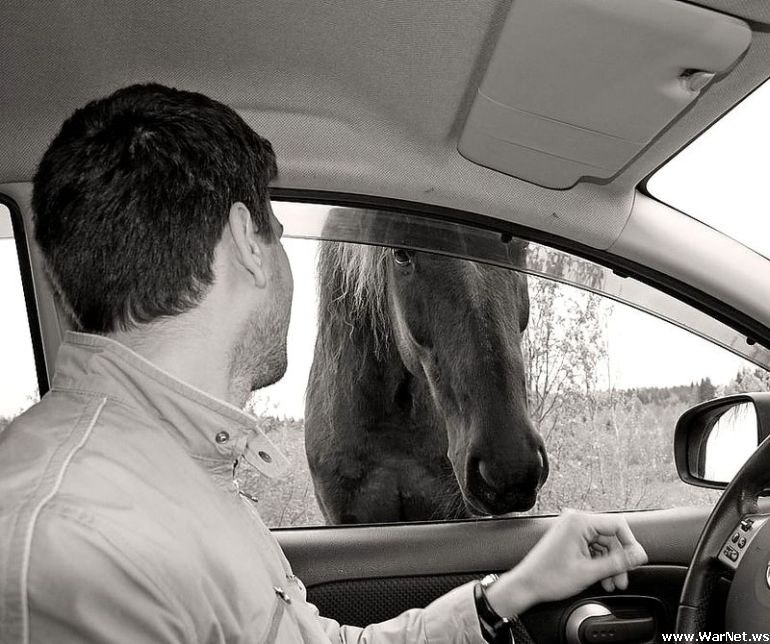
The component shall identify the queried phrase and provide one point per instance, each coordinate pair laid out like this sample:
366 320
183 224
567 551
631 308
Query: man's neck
190 352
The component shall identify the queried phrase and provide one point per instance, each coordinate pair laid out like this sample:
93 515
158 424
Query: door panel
360 575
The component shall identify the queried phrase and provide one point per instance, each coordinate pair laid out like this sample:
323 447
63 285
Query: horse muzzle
497 489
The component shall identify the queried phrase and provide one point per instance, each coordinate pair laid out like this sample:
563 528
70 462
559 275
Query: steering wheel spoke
739 541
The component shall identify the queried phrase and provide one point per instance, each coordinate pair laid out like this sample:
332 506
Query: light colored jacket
121 520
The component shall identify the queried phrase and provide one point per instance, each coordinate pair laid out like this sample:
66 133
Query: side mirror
715 438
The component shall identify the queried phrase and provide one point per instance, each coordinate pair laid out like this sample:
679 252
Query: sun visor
577 88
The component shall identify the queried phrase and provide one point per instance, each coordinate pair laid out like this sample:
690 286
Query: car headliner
363 97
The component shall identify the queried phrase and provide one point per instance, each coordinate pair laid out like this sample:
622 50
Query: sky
719 179
18 382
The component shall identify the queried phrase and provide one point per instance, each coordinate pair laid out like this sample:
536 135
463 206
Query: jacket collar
210 429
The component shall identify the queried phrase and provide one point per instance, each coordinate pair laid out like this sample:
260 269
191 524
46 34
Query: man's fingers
612 544
606 540
603 546
621 581
612 525
614 563
636 555
598 549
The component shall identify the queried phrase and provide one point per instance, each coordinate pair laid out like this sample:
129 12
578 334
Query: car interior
542 120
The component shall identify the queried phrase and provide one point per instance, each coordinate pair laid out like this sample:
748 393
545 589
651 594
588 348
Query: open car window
422 339
18 377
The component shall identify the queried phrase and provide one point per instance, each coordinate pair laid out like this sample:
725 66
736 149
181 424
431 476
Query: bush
289 501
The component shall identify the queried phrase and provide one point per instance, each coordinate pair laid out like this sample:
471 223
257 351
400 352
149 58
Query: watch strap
494 628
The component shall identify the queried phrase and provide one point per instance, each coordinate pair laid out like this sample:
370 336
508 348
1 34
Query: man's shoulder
70 504
34 451
102 500
61 415
114 580
95 461
45 449
30 443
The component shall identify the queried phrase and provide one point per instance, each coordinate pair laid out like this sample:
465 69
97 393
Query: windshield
721 177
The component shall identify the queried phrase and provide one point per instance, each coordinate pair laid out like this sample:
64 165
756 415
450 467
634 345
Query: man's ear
249 251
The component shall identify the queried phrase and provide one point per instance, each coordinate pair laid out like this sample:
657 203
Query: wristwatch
494 628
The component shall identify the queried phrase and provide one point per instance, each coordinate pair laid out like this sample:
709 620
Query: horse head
457 326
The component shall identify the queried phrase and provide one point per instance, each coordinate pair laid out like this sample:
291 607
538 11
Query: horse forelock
362 283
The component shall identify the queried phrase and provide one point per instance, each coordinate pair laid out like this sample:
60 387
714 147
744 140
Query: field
607 450
614 454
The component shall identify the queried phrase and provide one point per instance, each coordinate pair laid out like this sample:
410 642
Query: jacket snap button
222 437
282 594
265 457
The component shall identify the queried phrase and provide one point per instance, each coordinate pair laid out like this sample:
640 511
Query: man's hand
579 550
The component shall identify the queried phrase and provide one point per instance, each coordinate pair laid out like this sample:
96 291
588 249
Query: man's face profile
262 351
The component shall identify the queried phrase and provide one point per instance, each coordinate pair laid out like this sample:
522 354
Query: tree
706 390
609 449
748 379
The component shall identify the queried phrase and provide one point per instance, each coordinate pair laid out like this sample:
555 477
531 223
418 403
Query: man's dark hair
132 196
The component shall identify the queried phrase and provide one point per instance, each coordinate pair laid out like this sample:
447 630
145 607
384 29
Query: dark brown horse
416 405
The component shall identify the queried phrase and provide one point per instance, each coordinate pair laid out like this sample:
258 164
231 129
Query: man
120 512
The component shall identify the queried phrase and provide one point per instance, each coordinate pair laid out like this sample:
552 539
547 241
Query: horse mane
353 289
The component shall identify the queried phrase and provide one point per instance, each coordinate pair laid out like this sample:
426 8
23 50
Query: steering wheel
735 537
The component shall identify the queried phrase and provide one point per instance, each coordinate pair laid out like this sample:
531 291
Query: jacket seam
18 521
34 517
274 622
212 460
160 586
93 394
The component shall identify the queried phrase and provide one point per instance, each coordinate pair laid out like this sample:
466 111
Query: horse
416 405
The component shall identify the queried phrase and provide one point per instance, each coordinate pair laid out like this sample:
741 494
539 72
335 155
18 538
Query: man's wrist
511 595
495 628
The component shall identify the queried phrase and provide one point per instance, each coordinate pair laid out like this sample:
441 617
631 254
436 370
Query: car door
363 574
607 382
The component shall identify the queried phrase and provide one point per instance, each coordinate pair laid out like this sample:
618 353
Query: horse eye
402 257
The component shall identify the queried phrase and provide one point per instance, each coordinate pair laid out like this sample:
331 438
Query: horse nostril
496 487
485 481
486 474
488 479
544 467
